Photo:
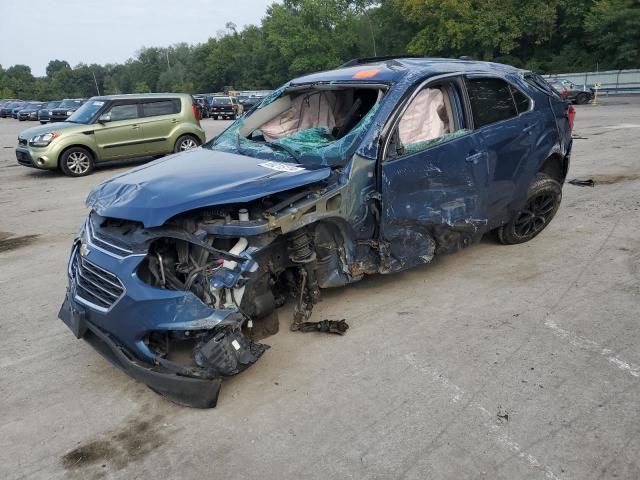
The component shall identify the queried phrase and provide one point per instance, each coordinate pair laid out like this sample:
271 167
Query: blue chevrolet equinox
372 168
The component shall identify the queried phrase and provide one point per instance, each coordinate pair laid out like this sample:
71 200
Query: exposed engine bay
250 275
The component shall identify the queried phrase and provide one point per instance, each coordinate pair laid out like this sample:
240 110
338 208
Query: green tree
56 65
613 28
141 87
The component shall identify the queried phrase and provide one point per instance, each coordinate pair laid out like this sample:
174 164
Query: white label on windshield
98 104
281 167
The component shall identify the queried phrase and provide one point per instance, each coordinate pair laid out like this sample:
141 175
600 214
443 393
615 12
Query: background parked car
65 109
571 92
112 128
225 107
17 108
43 113
8 107
248 102
30 111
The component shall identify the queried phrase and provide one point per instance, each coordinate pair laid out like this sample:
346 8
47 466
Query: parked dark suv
43 113
65 109
225 107
372 168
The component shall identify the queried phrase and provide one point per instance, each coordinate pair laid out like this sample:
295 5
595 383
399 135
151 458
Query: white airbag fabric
425 118
318 109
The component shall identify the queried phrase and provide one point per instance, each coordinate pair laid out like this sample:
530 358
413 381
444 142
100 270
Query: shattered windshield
313 127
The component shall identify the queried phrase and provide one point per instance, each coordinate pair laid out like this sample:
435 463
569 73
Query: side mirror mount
104 118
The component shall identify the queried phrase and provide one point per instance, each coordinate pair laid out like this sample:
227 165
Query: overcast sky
110 31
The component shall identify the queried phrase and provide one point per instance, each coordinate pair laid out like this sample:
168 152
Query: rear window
160 107
221 101
541 84
491 101
523 104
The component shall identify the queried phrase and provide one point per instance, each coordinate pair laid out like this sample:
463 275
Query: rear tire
543 201
186 142
76 162
582 98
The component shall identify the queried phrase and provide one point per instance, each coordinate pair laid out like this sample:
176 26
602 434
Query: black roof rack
361 61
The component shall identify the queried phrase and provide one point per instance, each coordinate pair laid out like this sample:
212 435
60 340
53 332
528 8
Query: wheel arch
556 167
75 145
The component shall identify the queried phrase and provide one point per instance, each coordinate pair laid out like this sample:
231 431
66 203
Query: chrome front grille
95 286
110 247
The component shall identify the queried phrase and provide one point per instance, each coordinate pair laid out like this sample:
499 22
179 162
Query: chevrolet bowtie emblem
84 250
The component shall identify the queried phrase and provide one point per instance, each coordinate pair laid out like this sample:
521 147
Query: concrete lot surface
519 362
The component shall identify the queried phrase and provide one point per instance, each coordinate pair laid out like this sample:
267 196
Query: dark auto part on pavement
583 183
329 326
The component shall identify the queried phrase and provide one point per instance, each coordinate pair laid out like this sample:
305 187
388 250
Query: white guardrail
611 81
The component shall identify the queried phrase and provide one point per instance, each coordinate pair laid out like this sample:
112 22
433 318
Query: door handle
135 127
527 129
476 157
174 120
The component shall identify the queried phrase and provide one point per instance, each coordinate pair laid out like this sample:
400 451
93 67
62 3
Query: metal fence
611 81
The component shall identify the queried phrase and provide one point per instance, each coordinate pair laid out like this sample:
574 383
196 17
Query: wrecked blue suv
375 167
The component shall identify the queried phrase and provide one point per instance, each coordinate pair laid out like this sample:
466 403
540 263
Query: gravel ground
519 362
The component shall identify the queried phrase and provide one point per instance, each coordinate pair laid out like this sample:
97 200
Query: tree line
301 36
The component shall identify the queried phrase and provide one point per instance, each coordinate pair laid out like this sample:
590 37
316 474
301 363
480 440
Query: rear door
121 136
433 178
160 116
509 136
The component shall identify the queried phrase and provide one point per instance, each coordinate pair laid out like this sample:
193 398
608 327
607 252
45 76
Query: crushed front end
165 304
184 305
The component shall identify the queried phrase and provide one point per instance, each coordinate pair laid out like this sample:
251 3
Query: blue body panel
157 191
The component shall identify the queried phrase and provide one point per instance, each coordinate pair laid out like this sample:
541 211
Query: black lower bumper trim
188 391
24 158
185 390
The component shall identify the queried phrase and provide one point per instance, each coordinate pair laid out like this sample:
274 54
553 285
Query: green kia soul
112 128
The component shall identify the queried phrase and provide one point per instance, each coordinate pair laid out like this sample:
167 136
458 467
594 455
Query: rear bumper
173 383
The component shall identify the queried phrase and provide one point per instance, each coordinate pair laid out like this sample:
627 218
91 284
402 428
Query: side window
160 107
123 112
491 101
428 120
523 104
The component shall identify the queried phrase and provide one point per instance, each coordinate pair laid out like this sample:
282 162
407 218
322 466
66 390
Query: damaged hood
157 191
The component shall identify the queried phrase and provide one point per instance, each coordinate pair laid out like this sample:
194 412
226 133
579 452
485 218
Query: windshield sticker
98 104
281 167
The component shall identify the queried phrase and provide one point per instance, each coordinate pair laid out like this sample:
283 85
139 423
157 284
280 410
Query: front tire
76 162
186 142
543 201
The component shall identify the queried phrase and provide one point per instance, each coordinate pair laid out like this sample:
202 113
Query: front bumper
58 117
119 329
185 390
35 157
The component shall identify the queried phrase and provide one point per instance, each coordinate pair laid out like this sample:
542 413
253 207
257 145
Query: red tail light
565 93
571 115
196 111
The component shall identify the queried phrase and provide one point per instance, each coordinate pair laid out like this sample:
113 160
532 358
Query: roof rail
361 61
